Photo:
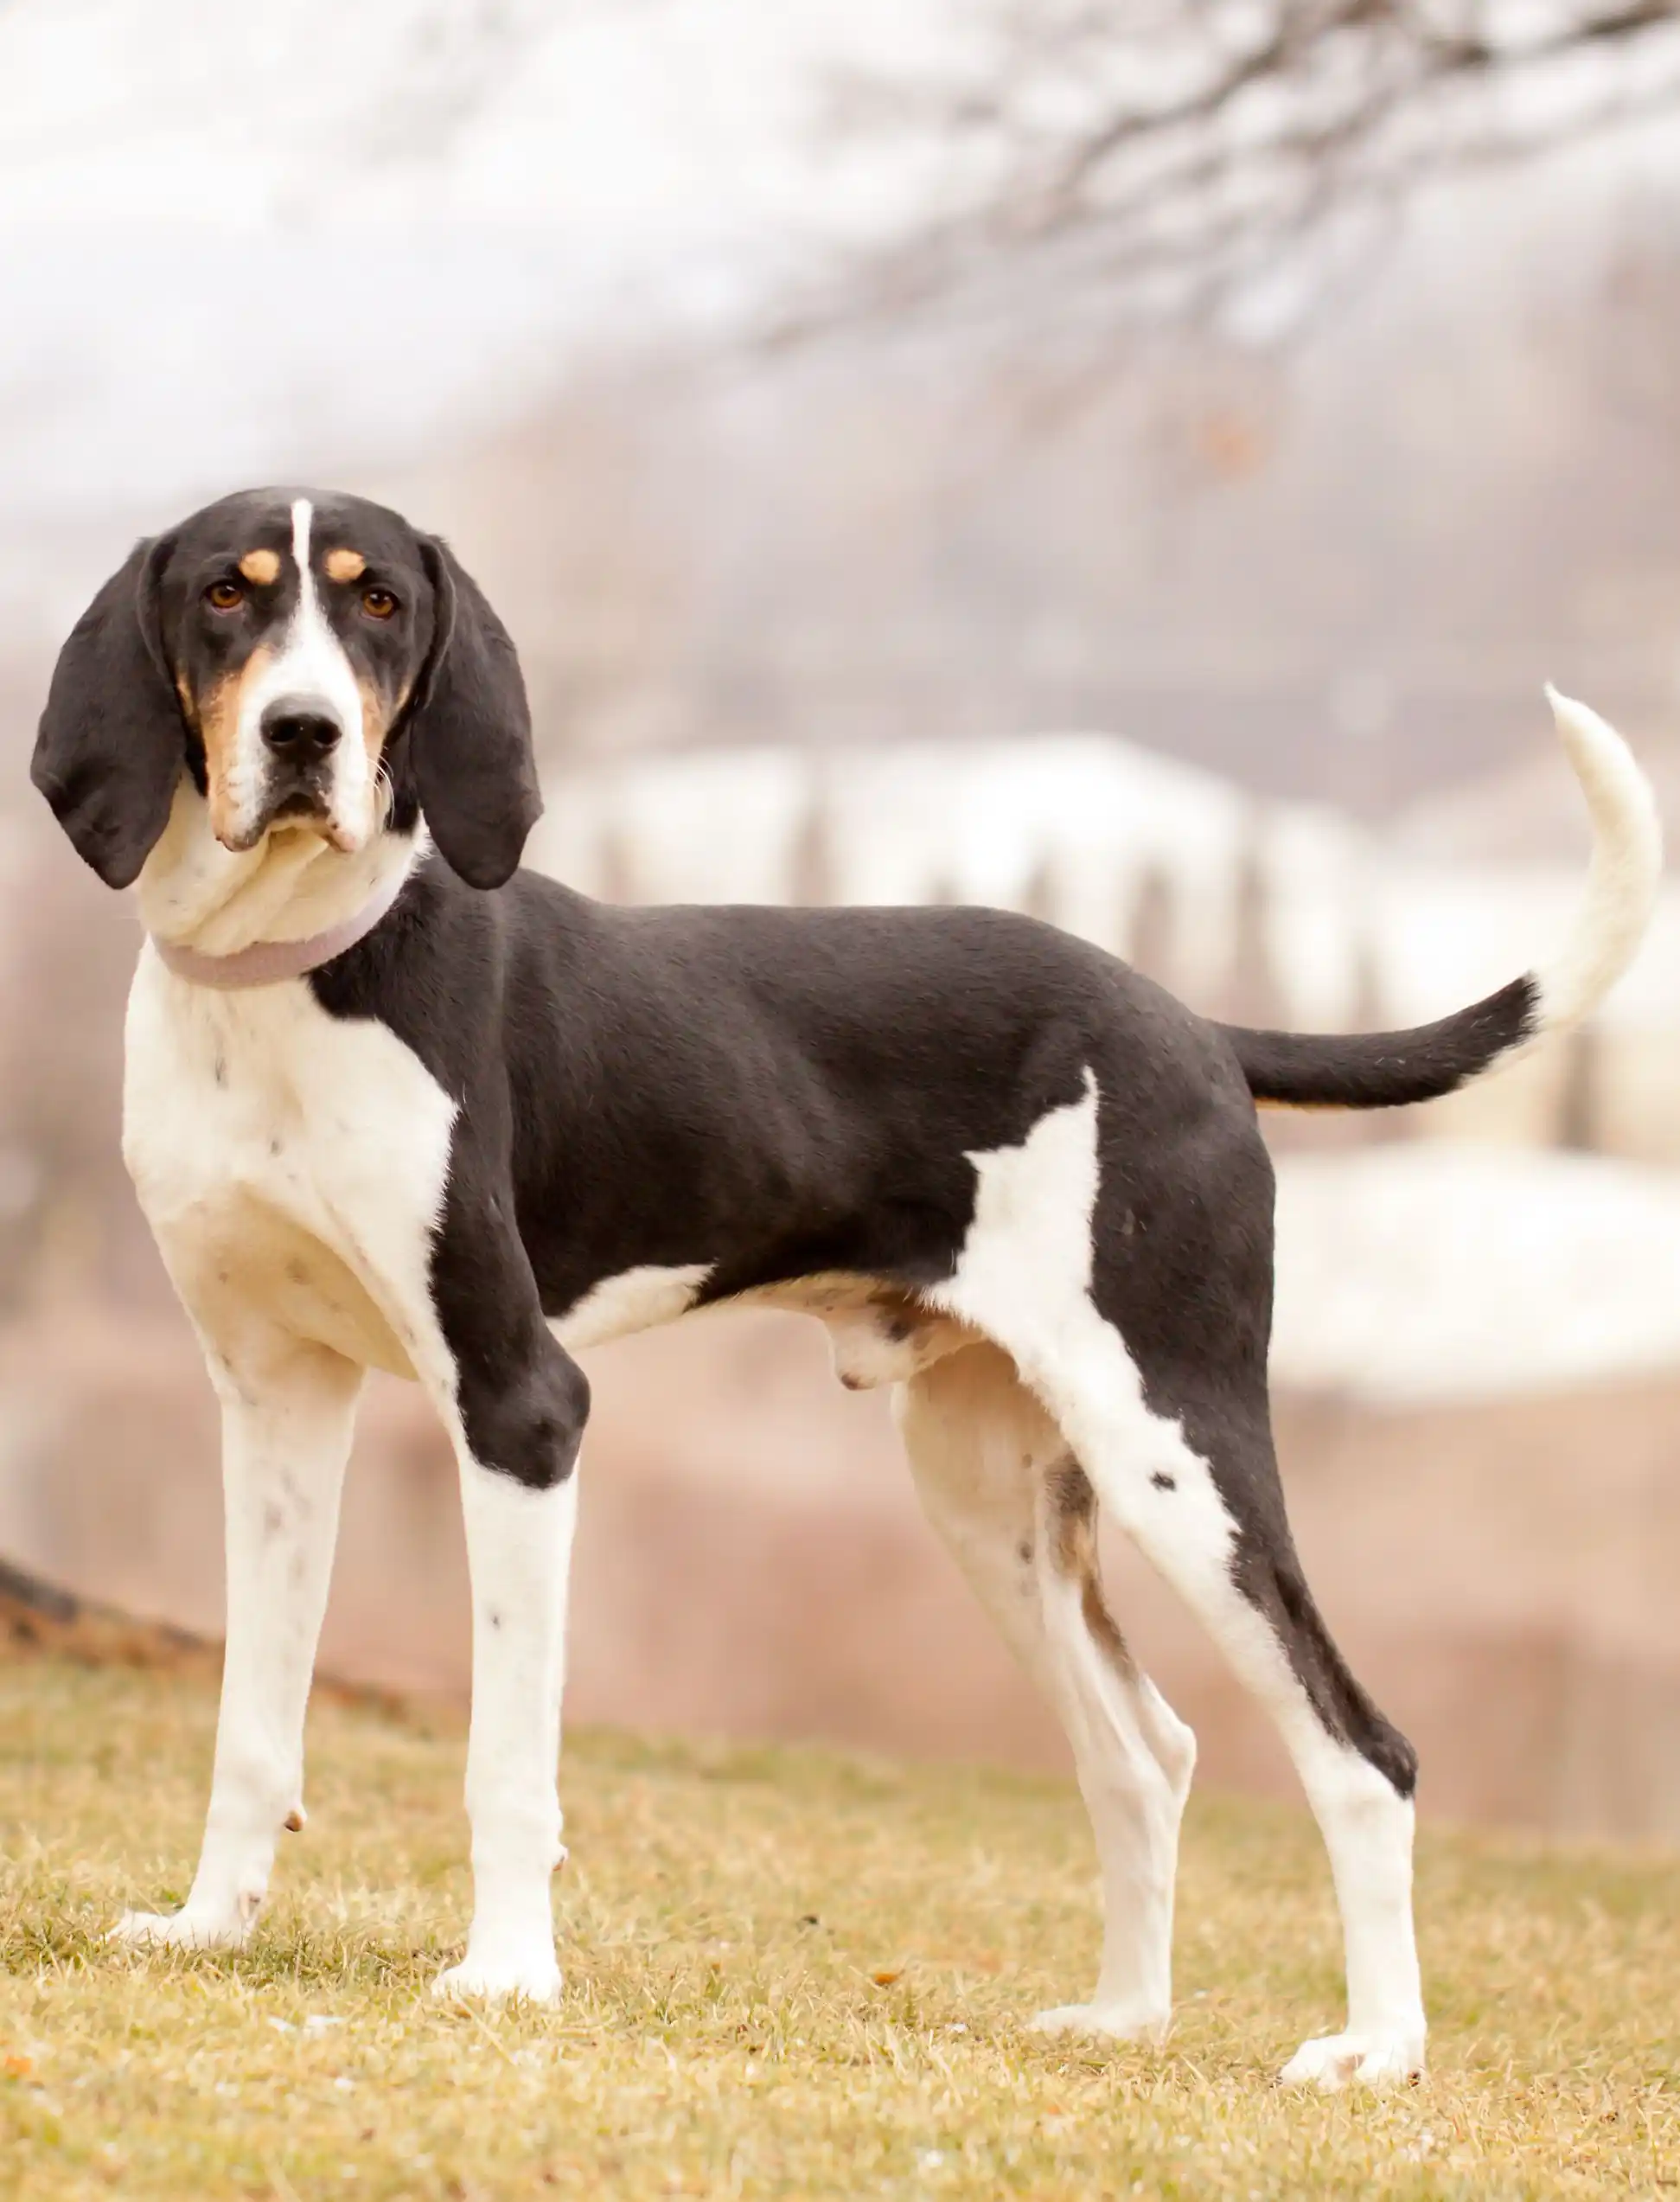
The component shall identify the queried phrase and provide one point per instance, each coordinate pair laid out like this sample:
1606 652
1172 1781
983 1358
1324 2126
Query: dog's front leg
515 1405
519 1547
288 1415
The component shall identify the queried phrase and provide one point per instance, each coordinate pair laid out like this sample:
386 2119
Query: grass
788 1974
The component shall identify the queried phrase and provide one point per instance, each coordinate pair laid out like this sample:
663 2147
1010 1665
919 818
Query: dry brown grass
788 1974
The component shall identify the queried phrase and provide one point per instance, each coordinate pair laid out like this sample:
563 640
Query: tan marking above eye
261 566
345 564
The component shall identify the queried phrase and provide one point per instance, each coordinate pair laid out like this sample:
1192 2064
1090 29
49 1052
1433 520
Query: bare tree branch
1159 155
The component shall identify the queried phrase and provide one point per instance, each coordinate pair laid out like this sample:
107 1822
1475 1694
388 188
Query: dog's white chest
291 1164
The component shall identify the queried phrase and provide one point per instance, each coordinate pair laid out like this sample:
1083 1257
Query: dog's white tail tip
1626 867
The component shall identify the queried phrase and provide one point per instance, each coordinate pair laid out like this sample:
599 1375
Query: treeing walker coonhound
391 1102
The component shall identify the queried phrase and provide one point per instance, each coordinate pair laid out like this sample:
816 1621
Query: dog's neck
196 894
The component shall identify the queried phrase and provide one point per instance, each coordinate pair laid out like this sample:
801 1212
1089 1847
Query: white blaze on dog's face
294 646
293 741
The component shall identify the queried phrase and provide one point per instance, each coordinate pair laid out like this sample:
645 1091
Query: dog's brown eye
378 604
224 596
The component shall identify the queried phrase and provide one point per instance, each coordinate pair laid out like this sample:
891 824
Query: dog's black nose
298 727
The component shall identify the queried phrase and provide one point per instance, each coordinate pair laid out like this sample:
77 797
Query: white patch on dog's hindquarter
1023 1278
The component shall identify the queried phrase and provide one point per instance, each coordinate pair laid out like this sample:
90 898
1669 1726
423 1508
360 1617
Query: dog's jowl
393 1103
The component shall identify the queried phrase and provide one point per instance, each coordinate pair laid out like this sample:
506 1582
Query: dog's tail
1383 1070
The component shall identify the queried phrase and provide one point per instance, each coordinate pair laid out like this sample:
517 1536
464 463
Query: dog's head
316 664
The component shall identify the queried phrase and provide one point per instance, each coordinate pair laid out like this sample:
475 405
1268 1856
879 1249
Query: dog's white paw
1334 2061
1105 2021
529 1975
182 1929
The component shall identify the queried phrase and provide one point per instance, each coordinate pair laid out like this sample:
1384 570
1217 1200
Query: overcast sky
236 240
246 243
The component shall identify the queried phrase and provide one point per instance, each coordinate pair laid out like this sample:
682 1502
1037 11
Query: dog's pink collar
266 962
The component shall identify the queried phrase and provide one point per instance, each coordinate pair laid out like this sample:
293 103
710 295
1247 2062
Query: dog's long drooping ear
112 742
470 726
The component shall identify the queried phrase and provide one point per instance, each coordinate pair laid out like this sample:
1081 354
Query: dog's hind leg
1135 1759
1021 1517
1202 1500
1137 1310
288 1413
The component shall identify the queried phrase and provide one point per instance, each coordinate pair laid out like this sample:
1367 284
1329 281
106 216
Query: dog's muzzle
301 727
299 735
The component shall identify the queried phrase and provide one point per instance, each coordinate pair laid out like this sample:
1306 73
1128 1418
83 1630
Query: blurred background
1136 462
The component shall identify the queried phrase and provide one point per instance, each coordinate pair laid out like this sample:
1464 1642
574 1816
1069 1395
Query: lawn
788 1973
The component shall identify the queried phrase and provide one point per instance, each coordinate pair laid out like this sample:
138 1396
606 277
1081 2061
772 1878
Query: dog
391 1102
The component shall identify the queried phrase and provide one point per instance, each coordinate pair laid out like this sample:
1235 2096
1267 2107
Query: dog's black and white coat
392 1102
